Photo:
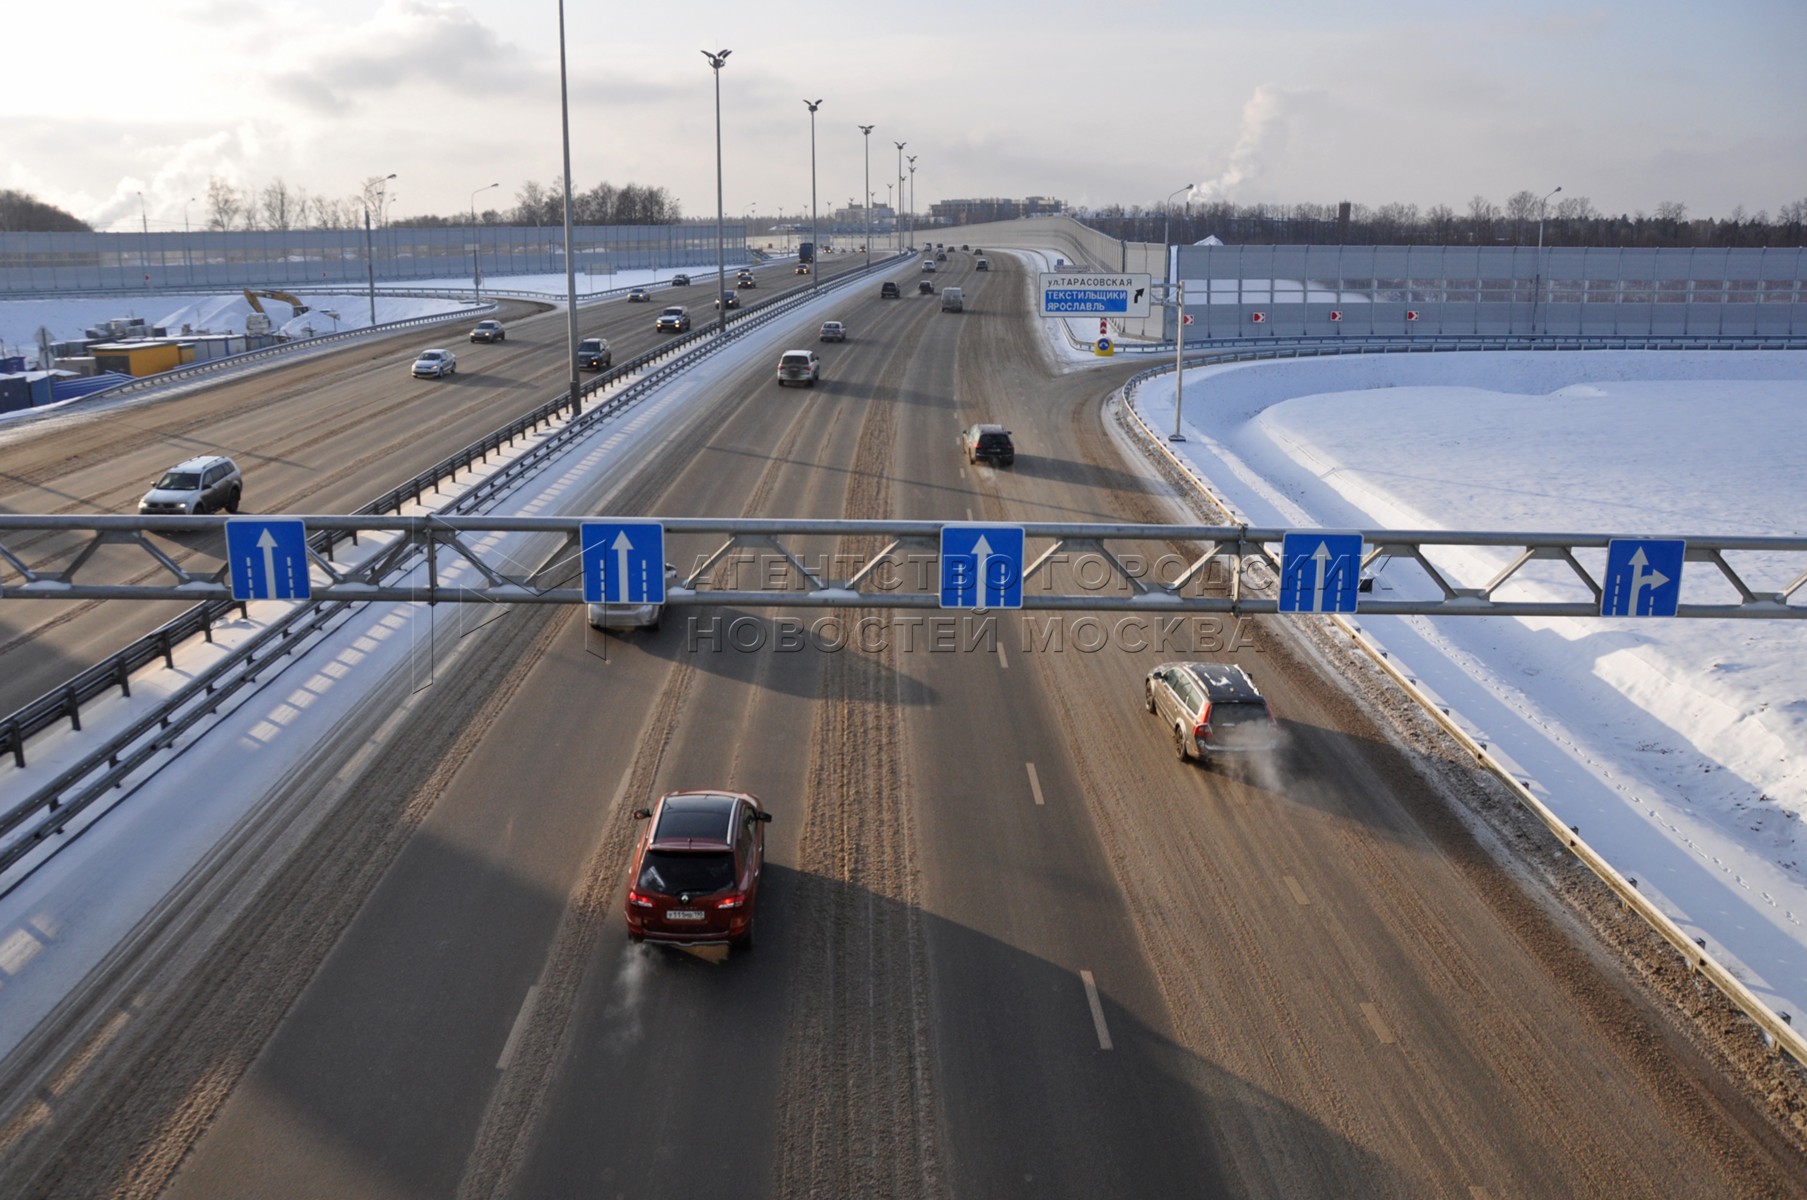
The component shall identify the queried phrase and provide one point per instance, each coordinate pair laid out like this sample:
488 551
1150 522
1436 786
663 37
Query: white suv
799 366
200 485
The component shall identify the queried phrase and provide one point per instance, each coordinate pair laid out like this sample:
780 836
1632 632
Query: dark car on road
1210 709
888 290
694 878
728 300
990 442
489 331
593 354
675 319
680 281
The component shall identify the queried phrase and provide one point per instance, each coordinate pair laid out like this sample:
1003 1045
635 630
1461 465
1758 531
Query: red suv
695 874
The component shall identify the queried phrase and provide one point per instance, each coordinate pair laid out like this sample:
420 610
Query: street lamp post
1167 251
476 248
370 253
716 61
815 241
564 114
1537 296
912 205
896 225
867 131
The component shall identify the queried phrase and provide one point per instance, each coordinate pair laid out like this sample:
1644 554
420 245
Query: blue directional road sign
1643 577
623 562
268 559
981 566
1320 572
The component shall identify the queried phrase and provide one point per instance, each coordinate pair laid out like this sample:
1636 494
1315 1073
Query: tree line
278 205
1565 221
20 213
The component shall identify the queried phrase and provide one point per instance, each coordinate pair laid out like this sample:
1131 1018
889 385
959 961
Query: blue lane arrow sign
1320 572
268 559
981 566
1643 577
623 561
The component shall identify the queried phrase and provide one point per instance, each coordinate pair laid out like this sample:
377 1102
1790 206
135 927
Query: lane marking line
1091 998
521 1021
1380 1027
1003 659
1035 782
1297 891
1477 1193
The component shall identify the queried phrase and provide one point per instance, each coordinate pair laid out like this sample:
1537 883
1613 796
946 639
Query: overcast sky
1628 104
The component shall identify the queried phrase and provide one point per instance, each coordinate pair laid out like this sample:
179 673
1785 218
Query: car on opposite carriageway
593 354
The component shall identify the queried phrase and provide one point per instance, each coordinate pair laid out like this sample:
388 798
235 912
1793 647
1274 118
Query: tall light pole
815 241
912 202
867 131
476 248
716 61
896 225
370 253
564 116
1537 296
187 251
1167 252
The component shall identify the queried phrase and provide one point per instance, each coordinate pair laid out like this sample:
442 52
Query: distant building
854 217
973 212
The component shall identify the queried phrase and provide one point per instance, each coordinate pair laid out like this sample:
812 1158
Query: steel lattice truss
885 564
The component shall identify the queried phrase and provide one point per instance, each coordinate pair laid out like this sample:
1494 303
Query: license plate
684 914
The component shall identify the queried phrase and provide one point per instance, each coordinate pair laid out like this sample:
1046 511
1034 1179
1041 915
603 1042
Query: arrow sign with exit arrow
1643 577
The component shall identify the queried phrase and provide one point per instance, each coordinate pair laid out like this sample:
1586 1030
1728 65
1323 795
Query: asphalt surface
321 436
1008 946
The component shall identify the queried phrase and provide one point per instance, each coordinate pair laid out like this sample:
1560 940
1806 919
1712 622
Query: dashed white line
1380 1027
1003 659
1297 891
1091 998
1035 783
520 1027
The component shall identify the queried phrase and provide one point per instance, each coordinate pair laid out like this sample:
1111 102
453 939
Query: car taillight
639 899
1203 728
733 900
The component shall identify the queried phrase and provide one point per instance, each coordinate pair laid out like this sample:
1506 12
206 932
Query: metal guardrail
80 786
1777 1027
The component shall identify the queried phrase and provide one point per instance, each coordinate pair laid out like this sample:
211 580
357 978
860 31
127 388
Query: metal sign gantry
1102 567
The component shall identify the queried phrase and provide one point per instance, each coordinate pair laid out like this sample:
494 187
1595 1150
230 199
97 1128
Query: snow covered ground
1678 747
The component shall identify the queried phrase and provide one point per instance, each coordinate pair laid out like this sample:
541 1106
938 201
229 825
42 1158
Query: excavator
258 321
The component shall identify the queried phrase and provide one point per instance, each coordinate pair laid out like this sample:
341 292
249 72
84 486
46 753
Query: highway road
1008 946
324 435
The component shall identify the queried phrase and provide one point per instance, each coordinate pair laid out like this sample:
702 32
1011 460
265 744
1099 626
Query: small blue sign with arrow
1643 577
1320 572
268 559
623 561
981 566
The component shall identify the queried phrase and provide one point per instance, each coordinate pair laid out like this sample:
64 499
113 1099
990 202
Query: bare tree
280 209
1672 210
223 204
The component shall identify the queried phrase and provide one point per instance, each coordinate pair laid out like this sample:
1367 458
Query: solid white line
1297 891
1003 659
520 1027
1035 783
1091 998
